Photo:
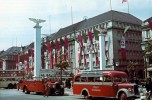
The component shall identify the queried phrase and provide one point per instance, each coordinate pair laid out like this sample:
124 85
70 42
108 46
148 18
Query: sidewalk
68 91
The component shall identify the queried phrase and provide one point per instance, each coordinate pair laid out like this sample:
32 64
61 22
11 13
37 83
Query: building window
147 34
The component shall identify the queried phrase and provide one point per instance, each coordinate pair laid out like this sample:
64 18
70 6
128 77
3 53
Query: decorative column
90 59
37 47
46 60
4 64
102 51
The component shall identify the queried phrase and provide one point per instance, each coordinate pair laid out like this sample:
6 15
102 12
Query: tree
62 64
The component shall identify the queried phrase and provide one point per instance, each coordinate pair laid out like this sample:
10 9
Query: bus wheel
85 94
122 96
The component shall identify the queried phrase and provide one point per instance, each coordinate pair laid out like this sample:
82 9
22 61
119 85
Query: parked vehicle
9 78
107 84
38 86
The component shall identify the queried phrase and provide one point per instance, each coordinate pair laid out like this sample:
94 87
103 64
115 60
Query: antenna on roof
110 5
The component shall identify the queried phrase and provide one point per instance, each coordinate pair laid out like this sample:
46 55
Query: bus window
90 79
97 79
83 79
77 79
107 78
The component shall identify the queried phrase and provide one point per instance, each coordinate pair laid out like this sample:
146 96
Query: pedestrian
148 87
46 90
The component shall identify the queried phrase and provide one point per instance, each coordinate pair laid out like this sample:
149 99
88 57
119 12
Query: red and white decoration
123 48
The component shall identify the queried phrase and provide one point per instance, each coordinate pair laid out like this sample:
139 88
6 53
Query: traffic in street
14 94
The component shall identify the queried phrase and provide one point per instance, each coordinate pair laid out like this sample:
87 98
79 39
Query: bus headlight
130 90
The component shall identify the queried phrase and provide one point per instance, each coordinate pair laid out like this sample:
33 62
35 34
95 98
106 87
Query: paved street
14 94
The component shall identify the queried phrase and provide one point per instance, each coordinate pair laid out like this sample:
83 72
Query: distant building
1 61
10 58
147 41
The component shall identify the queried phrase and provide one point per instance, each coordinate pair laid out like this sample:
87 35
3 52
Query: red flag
123 49
57 45
66 43
80 40
90 37
51 67
97 61
49 47
17 59
66 47
124 1
27 68
27 57
85 61
150 24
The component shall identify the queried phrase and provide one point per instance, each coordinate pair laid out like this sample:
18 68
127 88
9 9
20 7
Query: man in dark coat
148 87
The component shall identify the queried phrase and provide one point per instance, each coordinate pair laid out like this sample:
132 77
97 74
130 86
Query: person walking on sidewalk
148 87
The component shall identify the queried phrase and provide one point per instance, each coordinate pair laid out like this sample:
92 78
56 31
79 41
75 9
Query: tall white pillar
102 51
37 51
37 47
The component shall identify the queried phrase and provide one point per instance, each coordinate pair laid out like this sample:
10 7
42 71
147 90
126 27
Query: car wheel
85 94
62 91
25 90
122 96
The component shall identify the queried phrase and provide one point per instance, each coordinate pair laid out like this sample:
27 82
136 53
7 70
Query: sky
17 30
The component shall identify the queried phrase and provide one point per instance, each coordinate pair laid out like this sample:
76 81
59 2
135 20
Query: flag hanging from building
49 46
90 37
126 29
51 62
85 62
57 45
80 40
150 24
123 48
66 43
97 60
66 47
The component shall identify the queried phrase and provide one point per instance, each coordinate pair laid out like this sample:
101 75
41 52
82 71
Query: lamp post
143 47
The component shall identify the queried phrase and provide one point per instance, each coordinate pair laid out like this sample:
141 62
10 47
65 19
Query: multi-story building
147 44
10 58
113 23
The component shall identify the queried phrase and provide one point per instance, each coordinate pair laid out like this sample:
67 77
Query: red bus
9 78
107 84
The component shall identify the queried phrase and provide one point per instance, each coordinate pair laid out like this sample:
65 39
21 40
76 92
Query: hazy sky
16 29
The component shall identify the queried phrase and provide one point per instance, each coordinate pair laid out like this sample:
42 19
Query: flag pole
71 15
110 5
128 6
